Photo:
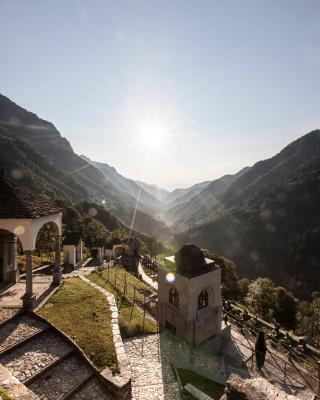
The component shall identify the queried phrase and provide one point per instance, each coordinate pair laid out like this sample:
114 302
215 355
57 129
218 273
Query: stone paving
151 358
15 388
60 379
42 286
7 313
18 330
83 271
32 357
94 389
152 376
66 369
11 297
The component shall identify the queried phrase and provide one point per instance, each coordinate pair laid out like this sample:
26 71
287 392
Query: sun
152 135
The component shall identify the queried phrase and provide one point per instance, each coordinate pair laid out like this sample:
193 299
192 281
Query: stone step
6 314
38 374
18 331
33 356
57 382
77 388
93 389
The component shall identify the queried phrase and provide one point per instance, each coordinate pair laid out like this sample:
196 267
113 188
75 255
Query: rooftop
18 202
189 261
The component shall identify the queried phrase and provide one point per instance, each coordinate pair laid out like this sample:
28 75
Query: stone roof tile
19 202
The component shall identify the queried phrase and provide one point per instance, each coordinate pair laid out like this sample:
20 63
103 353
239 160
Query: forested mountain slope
35 153
200 202
248 181
128 186
275 233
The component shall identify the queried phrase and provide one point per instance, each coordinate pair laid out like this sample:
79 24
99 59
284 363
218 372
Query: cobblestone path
152 377
47 364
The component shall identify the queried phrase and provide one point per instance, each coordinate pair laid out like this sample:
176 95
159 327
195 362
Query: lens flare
170 277
19 230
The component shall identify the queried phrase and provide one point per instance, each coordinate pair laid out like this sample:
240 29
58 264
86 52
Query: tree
229 278
93 230
309 319
45 243
261 297
285 308
315 322
71 219
243 287
260 349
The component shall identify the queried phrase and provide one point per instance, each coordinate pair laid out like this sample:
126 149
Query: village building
117 247
97 251
22 215
190 297
72 249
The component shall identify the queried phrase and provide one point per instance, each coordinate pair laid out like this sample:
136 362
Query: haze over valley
272 204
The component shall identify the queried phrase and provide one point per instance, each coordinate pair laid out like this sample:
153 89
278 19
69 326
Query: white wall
188 320
69 254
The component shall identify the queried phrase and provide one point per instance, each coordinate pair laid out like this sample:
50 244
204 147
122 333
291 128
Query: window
203 299
174 297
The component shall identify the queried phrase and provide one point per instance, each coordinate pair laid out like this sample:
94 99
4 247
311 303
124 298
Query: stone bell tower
190 297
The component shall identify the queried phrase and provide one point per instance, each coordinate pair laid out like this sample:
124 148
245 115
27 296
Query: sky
168 92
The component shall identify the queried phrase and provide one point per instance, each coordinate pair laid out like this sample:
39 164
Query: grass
4 395
207 386
119 276
83 313
130 318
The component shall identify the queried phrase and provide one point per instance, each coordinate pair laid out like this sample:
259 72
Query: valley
265 217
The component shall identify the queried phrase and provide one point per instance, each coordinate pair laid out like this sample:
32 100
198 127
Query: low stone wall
238 388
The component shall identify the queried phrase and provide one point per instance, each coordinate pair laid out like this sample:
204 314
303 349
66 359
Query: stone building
22 215
190 297
72 248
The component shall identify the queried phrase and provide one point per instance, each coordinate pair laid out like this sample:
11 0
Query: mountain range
265 217
35 154
268 219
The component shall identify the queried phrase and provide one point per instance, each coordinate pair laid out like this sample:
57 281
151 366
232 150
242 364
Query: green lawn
130 318
118 275
207 386
83 313
4 395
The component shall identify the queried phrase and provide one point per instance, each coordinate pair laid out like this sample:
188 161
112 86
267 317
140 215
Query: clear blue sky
228 82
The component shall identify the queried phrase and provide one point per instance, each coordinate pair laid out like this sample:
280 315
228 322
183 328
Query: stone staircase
46 363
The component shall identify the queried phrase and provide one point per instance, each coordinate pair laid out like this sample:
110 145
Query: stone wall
253 389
